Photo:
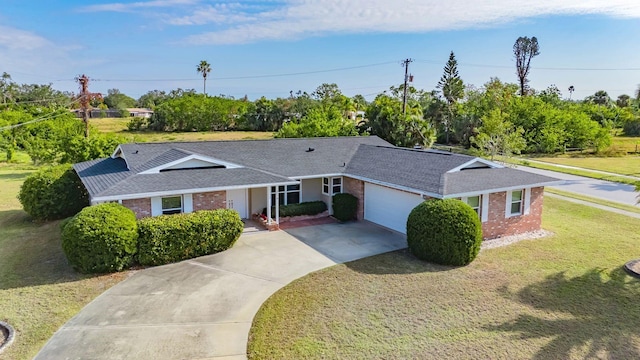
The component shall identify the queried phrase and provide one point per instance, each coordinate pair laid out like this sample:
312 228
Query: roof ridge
254 140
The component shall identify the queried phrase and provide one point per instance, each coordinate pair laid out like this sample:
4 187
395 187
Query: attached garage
389 207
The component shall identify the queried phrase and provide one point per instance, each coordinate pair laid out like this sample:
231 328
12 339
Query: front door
237 200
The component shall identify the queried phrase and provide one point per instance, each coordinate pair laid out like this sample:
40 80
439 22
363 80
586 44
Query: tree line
496 118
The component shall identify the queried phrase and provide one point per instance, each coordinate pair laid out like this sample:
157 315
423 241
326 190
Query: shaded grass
39 291
561 297
595 200
118 126
629 165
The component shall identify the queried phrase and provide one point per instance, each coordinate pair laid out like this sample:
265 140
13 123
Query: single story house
250 175
140 112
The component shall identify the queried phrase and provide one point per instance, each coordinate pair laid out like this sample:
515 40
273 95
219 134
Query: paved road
607 190
204 307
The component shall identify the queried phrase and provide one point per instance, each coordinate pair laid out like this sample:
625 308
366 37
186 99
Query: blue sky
142 45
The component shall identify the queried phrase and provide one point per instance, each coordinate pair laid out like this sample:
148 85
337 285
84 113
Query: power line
48 117
248 76
536 68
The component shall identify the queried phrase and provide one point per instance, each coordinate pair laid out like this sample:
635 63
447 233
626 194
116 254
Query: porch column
268 204
277 207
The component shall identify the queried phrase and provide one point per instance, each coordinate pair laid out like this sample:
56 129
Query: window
516 202
289 194
474 202
171 205
331 186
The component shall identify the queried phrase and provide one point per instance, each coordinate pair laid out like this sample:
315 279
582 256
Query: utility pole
405 63
85 98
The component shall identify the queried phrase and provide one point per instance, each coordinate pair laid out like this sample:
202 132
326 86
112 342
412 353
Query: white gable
476 163
191 162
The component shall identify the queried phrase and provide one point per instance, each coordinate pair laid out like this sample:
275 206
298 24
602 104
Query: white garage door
388 207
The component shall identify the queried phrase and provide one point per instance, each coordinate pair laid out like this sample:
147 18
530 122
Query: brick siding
356 188
497 225
210 200
142 207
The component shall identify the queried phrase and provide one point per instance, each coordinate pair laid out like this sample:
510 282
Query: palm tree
571 90
204 68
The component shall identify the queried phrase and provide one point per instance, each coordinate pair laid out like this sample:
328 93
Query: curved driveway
203 308
607 190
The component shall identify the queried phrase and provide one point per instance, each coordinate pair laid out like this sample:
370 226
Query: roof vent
310 149
136 152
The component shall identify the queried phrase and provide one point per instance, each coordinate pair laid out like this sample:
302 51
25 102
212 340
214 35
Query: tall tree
452 89
204 68
524 50
497 136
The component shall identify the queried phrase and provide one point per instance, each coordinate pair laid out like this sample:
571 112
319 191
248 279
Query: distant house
250 175
140 112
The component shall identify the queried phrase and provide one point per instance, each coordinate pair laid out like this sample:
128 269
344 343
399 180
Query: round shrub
170 238
53 193
101 238
345 206
446 232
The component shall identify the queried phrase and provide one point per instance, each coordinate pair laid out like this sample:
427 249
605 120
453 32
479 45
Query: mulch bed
301 223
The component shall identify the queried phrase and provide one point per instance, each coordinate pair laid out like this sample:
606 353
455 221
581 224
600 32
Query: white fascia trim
157 169
316 176
510 188
115 152
394 186
115 155
480 160
186 191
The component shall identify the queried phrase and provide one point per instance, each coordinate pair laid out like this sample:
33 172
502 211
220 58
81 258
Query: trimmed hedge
446 232
53 193
345 206
101 238
169 238
305 208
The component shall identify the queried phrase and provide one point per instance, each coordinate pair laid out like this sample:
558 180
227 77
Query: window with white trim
516 202
475 202
172 205
332 185
289 194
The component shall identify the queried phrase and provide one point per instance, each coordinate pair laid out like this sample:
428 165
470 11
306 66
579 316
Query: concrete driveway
203 308
607 190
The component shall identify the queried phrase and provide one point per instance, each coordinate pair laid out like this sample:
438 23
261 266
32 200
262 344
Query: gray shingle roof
414 169
280 160
476 180
286 157
192 179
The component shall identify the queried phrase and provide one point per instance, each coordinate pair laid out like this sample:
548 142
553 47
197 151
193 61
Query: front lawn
562 297
39 291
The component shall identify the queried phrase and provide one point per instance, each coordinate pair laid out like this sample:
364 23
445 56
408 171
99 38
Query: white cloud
26 53
294 19
128 7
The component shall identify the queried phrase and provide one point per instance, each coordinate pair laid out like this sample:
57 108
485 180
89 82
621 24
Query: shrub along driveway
203 308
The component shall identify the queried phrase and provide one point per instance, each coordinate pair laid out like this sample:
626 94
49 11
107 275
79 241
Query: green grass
629 144
613 204
629 165
39 291
118 126
578 172
561 297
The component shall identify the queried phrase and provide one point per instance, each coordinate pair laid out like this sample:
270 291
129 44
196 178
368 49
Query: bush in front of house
446 232
304 208
101 238
52 193
345 206
170 238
